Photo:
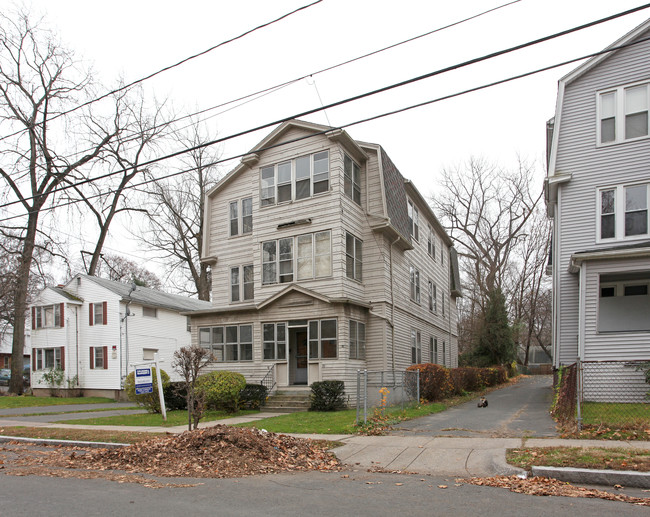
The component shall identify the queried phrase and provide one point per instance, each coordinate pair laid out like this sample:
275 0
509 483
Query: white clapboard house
94 329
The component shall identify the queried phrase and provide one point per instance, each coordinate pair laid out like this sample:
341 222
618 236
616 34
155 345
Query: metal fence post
417 380
365 396
579 393
358 393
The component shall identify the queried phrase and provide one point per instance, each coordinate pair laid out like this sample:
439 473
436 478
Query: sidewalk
445 456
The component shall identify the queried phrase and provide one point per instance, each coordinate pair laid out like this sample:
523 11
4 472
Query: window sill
605 145
288 203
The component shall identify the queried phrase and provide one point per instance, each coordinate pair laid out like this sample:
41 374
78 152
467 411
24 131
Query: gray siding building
597 193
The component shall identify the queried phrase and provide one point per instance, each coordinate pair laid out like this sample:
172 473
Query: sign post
144 382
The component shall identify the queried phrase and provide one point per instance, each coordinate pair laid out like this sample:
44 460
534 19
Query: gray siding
591 167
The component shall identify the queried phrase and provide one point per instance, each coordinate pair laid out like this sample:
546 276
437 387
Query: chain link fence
377 390
613 393
610 394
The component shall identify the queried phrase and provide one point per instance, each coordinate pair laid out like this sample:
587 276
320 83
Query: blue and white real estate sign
143 381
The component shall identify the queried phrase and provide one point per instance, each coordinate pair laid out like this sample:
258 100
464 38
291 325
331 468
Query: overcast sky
133 38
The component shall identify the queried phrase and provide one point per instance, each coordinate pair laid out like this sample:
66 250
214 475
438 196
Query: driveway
518 410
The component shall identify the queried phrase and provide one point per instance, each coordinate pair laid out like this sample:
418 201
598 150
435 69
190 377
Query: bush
253 396
150 401
221 389
496 375
435 381
175 395
467 379
327 396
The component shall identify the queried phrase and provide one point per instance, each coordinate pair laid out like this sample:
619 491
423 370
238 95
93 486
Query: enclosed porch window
624 302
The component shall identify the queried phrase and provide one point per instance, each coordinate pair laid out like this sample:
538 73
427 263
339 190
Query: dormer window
291 180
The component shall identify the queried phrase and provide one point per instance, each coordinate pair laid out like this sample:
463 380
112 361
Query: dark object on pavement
483 402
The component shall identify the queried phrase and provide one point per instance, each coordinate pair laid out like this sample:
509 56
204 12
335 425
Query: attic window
149 312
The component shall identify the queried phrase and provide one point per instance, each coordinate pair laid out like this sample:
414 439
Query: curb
44 441
625 478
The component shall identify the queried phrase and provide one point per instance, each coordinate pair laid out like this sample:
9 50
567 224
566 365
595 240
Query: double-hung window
322 339
415 283
353 257
275 341
431 243
98 313
623 113
228 343
351 179
623 212
241 216
46 358
241 283
433 302
48 316
313 258
357 340
295 179
416 347
433 349
414 223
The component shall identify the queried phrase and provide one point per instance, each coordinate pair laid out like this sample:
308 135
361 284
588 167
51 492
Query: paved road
314 493
520 409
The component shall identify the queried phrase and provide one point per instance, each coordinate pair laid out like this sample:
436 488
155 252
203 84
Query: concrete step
289 401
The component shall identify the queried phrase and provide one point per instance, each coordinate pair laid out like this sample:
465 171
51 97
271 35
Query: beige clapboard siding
330 211
591 167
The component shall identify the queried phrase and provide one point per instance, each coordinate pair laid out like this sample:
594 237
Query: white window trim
40 316
354 257
359 344
240 284
414 284
225 343
619 213
620 114
239 203
353 185
277 345
416 346
293 179
414 220
294 258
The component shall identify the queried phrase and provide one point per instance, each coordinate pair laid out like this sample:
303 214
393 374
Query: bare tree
120 269
141 128
487 211
175 219
188 362
39 80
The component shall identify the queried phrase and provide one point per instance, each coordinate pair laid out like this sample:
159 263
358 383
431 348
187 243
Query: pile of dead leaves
540 485
215 452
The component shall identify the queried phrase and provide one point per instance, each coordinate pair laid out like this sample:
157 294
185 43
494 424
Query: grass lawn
597 413
86 435
7 402
578 457
155 419
337 422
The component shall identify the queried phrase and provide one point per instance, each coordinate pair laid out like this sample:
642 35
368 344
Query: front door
298 356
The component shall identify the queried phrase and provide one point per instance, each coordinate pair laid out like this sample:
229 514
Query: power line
348 100
272 89
360 121
165 69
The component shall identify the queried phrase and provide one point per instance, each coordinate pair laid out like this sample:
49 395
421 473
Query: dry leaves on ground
548 486
215 452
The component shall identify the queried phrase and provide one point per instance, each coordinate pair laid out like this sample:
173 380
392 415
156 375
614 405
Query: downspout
127 313
76 331
392 304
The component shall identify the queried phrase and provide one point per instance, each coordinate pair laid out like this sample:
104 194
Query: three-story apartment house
324 260
597 193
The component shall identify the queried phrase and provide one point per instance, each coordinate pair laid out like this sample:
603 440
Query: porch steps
288 400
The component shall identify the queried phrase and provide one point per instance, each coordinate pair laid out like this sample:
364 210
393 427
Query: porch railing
269 379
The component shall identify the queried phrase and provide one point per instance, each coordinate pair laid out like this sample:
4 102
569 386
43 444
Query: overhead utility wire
272 89
182 61
348 100
355 123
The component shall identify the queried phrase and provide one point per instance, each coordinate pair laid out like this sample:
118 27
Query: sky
131 39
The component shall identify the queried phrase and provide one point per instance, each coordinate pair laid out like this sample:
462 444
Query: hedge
438 382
